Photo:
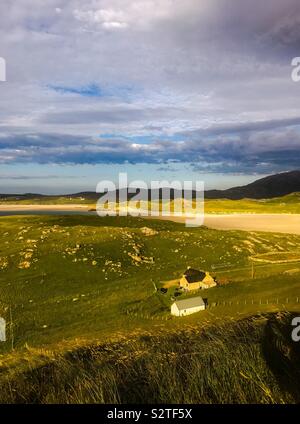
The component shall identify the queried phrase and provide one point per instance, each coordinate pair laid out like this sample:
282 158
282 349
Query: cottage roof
191 302
193 275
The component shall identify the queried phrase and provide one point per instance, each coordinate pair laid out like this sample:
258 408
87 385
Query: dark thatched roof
193 275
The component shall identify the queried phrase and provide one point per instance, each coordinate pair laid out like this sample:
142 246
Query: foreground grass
250 361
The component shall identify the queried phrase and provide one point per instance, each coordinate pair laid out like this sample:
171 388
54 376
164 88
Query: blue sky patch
91 90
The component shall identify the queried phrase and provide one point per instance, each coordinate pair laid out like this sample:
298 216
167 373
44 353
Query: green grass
69 281
289 204
285 204
45 200
242 362
278 257
81 281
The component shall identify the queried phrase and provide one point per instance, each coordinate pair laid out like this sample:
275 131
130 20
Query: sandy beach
281 223
66 207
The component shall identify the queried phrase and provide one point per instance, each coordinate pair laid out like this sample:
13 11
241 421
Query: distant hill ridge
265 188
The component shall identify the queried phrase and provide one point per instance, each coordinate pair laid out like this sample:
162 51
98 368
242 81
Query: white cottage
187 306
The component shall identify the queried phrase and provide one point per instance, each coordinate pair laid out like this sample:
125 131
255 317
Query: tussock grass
232 363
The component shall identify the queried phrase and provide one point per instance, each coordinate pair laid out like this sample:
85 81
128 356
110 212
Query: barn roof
191 302
193 275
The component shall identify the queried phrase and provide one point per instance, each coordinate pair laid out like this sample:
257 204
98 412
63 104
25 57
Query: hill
265 188
64 277
289 204
85 311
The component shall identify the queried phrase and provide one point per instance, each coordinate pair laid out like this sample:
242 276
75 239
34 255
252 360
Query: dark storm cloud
263 151
239 128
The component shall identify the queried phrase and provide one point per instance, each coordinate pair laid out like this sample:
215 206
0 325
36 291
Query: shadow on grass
221 364
282 354
108 221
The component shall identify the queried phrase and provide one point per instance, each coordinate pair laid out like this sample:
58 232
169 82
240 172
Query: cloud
34 177
243 127
91 90
112 115
260 152
207 82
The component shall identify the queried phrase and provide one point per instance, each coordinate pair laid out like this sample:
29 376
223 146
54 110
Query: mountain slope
265 188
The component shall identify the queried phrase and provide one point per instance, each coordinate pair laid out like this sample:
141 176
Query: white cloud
170 66
114 24
108 18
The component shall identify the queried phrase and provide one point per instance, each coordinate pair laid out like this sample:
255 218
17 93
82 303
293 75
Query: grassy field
285 204
238 362
45 200
67 282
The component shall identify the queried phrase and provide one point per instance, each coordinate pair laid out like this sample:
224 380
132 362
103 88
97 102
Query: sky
160 89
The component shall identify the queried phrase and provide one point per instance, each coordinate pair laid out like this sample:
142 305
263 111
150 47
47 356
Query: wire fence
273 301
283 302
